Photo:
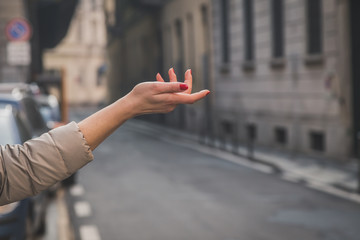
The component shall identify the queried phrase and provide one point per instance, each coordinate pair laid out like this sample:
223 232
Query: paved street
142 187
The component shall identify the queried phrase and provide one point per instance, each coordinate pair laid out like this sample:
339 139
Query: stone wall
306 101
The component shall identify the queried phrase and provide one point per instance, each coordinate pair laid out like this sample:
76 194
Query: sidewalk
337 179
58 225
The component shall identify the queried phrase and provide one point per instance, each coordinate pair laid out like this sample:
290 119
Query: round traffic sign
18 29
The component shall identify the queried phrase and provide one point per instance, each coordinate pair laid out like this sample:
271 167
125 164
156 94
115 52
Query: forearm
97 127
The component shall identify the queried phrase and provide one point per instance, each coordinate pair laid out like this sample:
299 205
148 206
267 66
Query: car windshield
7 135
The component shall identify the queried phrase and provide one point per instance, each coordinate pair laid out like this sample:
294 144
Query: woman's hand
161 96
147 97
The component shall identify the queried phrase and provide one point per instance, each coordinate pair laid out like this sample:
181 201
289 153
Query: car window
7 135
33 113
23 130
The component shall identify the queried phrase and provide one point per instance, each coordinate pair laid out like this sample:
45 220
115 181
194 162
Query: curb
65 231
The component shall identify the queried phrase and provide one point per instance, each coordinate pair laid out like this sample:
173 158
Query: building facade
147 37
279 70
185 28
282 71
81 55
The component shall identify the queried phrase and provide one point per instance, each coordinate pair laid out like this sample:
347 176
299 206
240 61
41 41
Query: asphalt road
140 187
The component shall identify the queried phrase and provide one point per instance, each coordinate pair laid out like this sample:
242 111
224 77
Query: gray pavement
330 172
323 174
151 186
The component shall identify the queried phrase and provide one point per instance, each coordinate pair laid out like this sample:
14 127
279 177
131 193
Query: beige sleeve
26 170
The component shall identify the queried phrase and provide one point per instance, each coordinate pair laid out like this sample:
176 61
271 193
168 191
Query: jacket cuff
72 146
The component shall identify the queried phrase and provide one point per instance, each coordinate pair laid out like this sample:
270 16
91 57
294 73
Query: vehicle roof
21 87
10 99
9 96
13 96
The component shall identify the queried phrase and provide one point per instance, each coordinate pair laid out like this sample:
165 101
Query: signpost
18 32
18 29
18 53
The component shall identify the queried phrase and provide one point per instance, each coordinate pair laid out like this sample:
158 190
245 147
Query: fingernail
183 86
173 70
190 72
207 93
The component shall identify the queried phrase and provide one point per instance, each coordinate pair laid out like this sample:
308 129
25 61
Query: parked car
29 111
41 112
26 218
50 110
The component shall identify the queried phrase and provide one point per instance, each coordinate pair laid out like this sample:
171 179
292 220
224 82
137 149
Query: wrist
126 107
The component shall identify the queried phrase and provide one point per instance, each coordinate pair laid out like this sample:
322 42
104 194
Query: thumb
170 87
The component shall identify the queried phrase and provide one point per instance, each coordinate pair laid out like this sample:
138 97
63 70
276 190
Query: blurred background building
147 37
279 70
81 55
282 70
283 74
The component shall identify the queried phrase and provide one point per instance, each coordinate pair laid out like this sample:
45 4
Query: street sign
18 53
18 29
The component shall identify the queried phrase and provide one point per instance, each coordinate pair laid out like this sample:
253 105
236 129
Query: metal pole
358 174
251 138
63 96
251 150
357 154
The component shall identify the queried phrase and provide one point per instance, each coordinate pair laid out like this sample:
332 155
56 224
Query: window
168 49
95 32
277 20
93 4
317 141
23 130
191 41
7 134
206 26
227 127
32 111
160 45
146 56
251 131
225 31
314 27
248 30
281 135
79 30
180 47
205 65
